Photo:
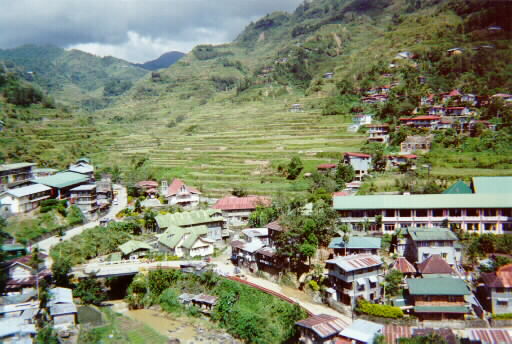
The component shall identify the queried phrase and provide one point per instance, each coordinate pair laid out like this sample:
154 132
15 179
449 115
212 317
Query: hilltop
72 76
220 118
164 61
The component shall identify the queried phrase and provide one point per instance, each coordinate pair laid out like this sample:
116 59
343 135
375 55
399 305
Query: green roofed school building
186 242
62 183
487 210
438 298
211 219
355 245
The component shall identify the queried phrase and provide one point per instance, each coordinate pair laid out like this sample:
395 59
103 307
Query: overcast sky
135 30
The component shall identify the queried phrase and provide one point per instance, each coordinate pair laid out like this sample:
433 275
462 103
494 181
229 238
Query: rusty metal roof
500 279
241 203
393 332
404 266
356 262
323 325
435 264
203 298
489 335
275 226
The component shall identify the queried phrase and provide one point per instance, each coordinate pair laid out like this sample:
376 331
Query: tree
150 221
239 191
376 150
294 168
307 250
35 259
344 174
138 206
90 291
432 338
262 216
393 280
60 270
47 335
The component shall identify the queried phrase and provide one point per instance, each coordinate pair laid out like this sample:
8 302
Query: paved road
46 244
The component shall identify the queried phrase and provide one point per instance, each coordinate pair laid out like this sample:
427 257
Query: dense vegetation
244 312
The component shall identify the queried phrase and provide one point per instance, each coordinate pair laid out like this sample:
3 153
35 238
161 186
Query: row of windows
468 226
453 212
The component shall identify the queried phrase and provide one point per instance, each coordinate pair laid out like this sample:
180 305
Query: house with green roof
478 212
186 241
438 298
134 249
355 245
212 219
62 182
423 243
459 187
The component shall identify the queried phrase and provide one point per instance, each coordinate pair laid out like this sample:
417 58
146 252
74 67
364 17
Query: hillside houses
423 243
211 219
236 210
178 193
416 143
13 175
360 162
23 199
378 132
193 241
494 290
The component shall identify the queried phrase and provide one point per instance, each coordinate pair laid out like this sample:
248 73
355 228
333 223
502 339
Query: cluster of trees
116 87
246 313
478 246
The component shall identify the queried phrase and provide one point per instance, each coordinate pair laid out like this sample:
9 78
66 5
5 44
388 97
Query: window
472 226
405 225
405 213
506 212
507 226
357 213
390 227
472 212
421 213
452 298
421 225
489 212
489 226
444 255
502 302
437 213
389 213
425 256
373 213
454 212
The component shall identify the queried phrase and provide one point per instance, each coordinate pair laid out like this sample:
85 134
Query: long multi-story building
483 207
13 175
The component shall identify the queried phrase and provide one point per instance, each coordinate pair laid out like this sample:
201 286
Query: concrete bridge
121 268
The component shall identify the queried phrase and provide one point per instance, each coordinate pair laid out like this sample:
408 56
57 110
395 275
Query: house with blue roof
355 245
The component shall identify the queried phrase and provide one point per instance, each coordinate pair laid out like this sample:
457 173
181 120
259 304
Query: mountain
219 117
72 76
164 61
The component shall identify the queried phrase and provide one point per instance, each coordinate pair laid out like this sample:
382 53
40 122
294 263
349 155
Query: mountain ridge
163 61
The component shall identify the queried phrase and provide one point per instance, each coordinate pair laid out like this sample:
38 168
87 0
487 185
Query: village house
148 187
402 159
445 123
361 332
256 234
356 276
355 245
13 175
104 191
435 265
453 95
404 266
62 308
416 144
210 218
378 132
21 276
204 302
320 329
495 290
83 166
62 183
360 162
244 253
428 122
469 99
84 197
360 120
274 230
455 51
427 100
458 111
438 298
437 110
507 98
296 108
181 194
186 242
327 168
24 306
328 76
23 199
374 99
11 251
404 55
134 249
486 211
488 336
423 243
236 210
15 330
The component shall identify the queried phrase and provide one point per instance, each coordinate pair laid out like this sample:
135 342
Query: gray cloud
136 30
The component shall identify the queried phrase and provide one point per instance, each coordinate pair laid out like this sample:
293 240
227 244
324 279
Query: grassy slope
226 138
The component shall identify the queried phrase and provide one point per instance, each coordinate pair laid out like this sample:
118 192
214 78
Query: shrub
313 285
384 311
504 316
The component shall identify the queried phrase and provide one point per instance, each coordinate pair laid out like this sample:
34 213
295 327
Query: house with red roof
181 194
148 187
437 110
404 266
402 159
236 210
494 290
458 111
320 329
452 95
428 100
326 168
360 162
434 265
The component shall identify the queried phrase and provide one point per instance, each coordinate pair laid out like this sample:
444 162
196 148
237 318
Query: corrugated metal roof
241 203
60 295
356 242
62 179
431 234
458 188
436 201
362 330
28 190
434 264
176 185
203 298
275 226
256 232
60 309
437 286
173 235
356 262
404 266
489 335
393 332
492 185
87 187
323 325
441 309
189 218
134 245
8 167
